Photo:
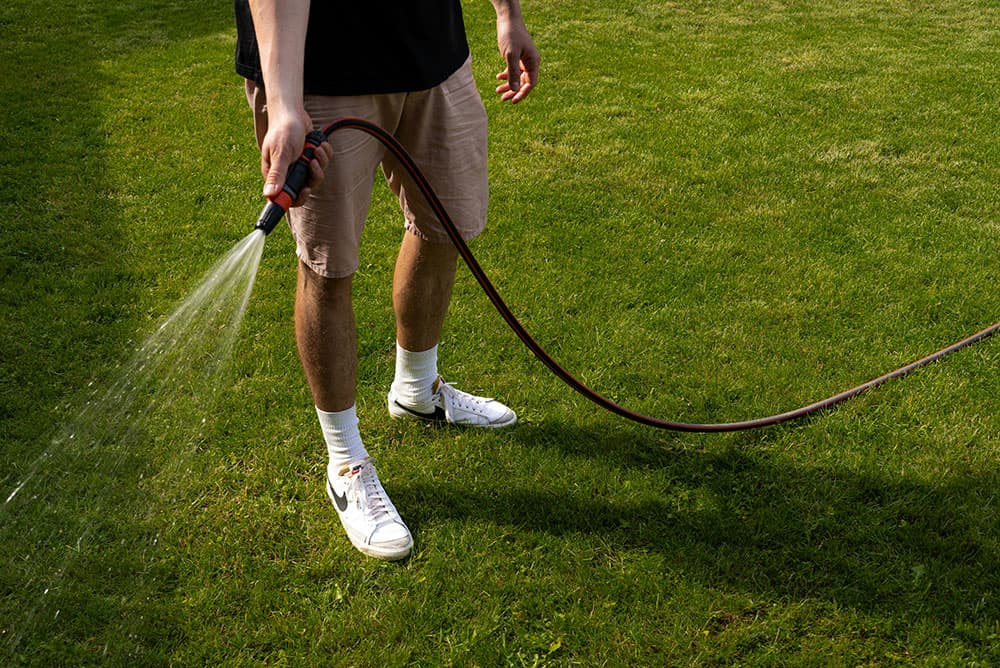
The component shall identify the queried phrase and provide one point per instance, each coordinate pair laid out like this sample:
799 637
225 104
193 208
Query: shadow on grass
78 563
738 519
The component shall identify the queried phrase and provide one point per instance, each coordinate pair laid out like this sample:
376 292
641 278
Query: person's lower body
444 129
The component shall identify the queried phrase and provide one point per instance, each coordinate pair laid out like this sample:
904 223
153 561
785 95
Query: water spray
298 172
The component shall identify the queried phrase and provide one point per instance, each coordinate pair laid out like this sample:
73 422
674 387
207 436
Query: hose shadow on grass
737 518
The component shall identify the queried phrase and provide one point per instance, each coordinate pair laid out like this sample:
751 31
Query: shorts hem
443 237
323 272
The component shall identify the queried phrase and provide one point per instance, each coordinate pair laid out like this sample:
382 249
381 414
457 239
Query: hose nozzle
298 172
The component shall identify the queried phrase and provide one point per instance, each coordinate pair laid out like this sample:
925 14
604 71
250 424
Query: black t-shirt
368 47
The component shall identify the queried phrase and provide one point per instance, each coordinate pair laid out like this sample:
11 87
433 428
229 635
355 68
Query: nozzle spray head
270 216
298 173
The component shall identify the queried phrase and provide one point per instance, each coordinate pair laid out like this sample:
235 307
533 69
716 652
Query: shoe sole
398 412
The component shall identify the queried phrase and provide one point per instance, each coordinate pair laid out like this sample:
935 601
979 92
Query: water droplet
176 365
16 490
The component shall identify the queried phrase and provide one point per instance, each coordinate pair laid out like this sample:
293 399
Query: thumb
273 179
274 170
513 72
273 182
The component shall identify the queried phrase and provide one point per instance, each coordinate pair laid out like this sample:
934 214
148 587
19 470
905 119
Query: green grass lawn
709 211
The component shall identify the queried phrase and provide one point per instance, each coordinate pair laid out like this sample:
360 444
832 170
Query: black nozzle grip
295 180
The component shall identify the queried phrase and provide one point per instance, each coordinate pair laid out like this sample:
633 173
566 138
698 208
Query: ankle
342 436
416 377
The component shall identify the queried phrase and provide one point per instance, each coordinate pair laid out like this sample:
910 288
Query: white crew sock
415 376
343 438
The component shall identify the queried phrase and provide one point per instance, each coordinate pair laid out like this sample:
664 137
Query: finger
303 196
315 174
529 76
525 83
324 154
506 92
526 86
502 77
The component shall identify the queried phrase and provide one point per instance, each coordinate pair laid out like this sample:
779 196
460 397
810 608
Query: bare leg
327 338
421 291
425 274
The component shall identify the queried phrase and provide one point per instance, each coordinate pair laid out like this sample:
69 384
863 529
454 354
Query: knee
323 289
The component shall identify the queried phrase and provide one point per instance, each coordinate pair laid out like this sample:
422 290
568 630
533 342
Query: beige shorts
443 129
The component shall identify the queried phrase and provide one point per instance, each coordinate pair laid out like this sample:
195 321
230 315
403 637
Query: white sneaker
368 516
456 407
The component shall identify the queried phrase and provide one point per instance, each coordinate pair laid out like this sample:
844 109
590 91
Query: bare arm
518 51
281 36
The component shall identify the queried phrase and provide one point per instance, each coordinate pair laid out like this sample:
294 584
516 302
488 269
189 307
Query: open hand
522 58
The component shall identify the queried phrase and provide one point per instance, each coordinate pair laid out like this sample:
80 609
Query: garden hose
278 206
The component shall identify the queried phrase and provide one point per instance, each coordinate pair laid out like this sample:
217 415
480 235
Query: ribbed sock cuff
415 376
342 435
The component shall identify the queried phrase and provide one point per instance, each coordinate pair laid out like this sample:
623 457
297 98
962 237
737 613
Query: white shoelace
369 494
460 399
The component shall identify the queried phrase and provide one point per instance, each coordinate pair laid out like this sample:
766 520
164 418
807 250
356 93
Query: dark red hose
394 147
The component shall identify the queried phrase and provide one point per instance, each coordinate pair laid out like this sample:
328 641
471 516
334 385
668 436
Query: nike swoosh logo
339 499
437 415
